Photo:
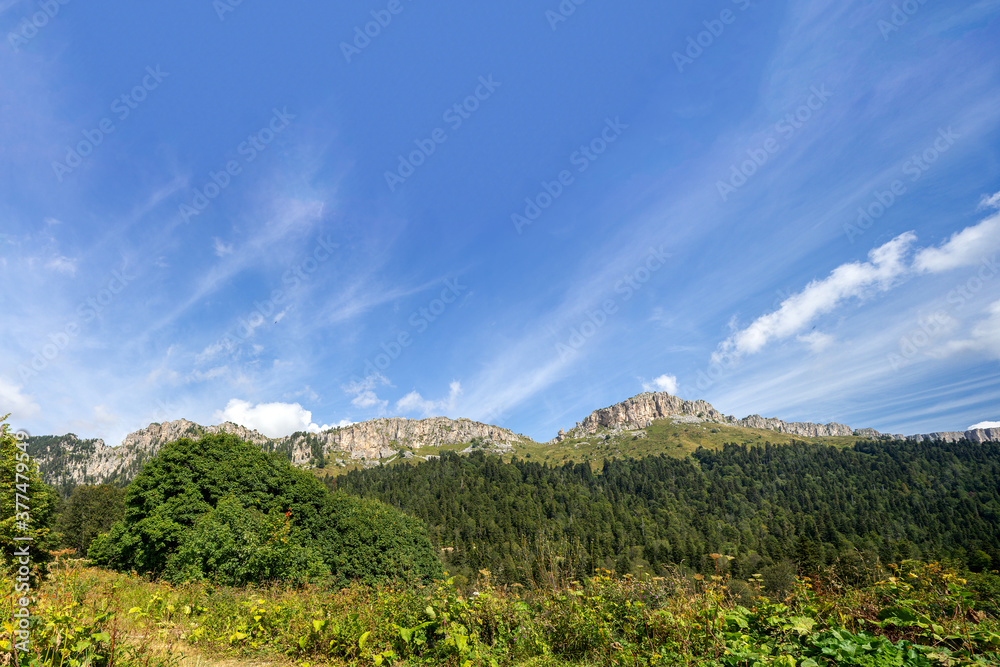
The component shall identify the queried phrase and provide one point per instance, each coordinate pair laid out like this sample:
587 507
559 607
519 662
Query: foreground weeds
923 614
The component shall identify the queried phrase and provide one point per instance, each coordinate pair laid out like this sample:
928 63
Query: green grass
662 437
923 614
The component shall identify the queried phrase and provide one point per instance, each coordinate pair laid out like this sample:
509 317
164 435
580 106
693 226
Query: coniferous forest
769 506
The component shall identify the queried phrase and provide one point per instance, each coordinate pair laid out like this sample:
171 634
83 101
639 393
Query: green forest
768 506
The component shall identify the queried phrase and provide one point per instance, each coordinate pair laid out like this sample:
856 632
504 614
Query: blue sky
301 216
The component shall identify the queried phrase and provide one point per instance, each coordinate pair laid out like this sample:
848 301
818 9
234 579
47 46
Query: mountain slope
66 460
644 425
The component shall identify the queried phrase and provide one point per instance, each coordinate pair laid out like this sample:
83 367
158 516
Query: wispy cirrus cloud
414 403
885 265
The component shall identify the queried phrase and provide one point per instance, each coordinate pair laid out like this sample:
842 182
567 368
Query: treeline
771 507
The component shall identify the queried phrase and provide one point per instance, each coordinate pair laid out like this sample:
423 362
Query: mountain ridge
67 460
642 409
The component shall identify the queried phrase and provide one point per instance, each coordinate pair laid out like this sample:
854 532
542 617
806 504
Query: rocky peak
979 435
640 411
68 460
384 437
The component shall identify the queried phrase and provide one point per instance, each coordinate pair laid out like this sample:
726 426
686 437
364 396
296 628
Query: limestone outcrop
979 435
69 460
807 429
640 411
383 438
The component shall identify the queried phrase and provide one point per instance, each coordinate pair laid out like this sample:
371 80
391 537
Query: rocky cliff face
68 460
640 411
383 438
807 429
976 435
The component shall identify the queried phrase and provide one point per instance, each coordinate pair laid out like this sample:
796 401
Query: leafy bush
369 539
173 523
235 545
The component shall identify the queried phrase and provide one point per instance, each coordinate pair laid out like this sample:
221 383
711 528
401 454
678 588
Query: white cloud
20 406
816 340
415 403
272 419
210 374
221 249
63 265
965 248
209 352
984 425
102 421
886 264
667 383
992 201
984 337
364 392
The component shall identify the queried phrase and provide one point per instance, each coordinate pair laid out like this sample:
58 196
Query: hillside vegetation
797 555
664 436
775 508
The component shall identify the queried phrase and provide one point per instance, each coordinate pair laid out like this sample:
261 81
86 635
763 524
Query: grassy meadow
906 614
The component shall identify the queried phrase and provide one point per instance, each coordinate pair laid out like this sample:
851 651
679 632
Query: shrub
234 545
173 521
370 539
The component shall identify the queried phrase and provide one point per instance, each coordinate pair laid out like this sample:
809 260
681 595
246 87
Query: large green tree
27 504
172 519
89 511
